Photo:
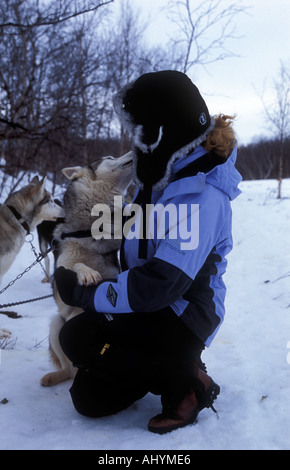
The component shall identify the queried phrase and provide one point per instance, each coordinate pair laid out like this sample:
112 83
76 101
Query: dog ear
43 181
73 172
34 181
38 186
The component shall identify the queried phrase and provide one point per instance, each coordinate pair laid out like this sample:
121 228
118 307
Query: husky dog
19 215
91 259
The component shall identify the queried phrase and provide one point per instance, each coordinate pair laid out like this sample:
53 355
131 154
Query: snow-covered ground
248 358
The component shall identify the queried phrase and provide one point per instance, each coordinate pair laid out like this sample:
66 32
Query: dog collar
83 234
77 234
18 216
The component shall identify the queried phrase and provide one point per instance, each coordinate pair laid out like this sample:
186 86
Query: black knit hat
167 118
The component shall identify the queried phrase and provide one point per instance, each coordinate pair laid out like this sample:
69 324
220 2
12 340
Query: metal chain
38 259
35 253
43 256
13 304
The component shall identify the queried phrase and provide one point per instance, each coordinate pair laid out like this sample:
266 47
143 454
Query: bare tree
48 81
19 73
278 116
204 30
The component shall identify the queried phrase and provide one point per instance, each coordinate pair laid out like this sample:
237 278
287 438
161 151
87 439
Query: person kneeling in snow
145 331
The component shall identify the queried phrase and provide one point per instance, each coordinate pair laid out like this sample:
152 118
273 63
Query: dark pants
120 361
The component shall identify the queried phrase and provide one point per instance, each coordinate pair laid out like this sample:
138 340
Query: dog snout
58 209
127 159
128 163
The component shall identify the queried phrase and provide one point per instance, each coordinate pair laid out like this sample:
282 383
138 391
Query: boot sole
210 396
167 429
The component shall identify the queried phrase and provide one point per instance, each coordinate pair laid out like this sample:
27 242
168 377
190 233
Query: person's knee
95 396
91 397
85 405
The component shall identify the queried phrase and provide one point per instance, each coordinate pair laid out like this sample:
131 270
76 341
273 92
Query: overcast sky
232 86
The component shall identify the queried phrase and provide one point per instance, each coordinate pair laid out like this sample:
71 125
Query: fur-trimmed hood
167 118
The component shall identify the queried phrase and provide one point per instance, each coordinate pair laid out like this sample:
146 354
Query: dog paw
86 276
4 333
54 378
48 380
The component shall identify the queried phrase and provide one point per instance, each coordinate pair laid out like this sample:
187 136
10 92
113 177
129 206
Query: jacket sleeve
146 288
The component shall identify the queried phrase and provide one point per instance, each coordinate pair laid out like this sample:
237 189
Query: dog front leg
86 275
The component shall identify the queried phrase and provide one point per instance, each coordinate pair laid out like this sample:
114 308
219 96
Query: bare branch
14 125
204 30
53 20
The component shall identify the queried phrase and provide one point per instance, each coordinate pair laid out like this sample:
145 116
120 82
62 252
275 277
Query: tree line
261 159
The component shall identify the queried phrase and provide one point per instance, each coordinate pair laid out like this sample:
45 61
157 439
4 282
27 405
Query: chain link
13 304
39 258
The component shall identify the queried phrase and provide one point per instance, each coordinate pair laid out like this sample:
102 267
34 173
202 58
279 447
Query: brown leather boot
202 395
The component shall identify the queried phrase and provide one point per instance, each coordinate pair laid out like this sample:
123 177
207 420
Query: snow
248 358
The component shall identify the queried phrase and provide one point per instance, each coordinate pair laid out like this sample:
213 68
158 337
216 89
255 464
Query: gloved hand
71 292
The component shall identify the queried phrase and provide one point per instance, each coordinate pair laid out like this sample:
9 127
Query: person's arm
146 288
